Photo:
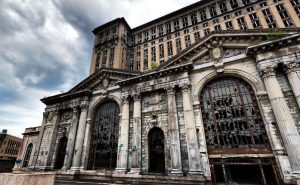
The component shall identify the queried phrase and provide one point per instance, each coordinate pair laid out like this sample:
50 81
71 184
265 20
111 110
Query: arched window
156 150
104 137
61 152
27 155
231 117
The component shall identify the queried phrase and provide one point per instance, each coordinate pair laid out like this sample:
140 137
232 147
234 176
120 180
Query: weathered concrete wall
25 179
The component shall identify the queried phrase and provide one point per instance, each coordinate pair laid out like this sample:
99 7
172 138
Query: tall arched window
61 152
27 155
232 117
104 137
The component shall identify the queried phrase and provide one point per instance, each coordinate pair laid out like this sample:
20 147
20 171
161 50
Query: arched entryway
104 137
156 150
234 127
61 152
27 155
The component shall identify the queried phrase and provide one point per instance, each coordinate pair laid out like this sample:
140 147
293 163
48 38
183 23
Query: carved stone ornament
186 88
50 117
125 99
170 90
216 51
84 106
67 116
233 52
291 67
105 82
268 73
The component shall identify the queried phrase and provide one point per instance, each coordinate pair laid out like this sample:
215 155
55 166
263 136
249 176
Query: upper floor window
254 20
153 33
161 51
170 49
245 2
145 59
185 21
187 41
242 24
160 30
194 18
223 7
212 10
284 15
153 54
168 27
269 18
146 36
114 31
296 5
178 45
203 14
139 40
176 24
197 36
229 25
233 4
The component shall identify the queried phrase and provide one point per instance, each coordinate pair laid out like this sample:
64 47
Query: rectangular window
186 31
168 27
160 30
153 33
254 20
170 49
263 4
139 38
203 14
206 31
205 24
229 25
197 36
107 34
145 59
146 36
185 21
104 58
114 31
238 13
284 15
177 34
217 28
216 21
245 2
269 18
153 54
212 11
187 40
250 9
178 45
138 60
161 53
223 7
176 24
194 18
111 57
296 5
242 24
226 17
195 28
233 4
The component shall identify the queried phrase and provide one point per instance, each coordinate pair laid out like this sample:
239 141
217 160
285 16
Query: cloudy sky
45 48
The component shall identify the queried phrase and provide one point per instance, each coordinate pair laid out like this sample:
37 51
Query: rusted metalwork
104 137
232 118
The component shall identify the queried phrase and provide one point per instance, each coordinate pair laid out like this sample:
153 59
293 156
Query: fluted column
292 70
191 135
174 134
136 132
285 122
80 137
71 140
122 160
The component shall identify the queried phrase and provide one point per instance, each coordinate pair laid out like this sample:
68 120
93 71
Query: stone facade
225 106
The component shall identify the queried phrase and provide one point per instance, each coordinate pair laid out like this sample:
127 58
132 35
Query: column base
64 168
296 174
195 173
121 170
135 171
75 169
176 172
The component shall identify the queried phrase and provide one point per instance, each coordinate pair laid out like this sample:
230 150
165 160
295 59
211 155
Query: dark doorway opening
61 152
250 172
27 155
156 151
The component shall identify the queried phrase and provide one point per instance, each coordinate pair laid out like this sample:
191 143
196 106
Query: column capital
267 73
170 90
186 88
84 105
291 67
125 99
75 108
137 97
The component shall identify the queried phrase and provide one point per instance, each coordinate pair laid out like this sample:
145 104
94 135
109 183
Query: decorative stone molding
170 90
75 109
125 100
268 73
291 67
216 51
233 52
84 106
186 88
137 97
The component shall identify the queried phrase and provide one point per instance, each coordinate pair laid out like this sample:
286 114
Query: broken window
231 115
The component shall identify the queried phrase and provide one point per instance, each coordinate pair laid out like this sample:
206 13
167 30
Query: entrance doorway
244 171
156 151
61 152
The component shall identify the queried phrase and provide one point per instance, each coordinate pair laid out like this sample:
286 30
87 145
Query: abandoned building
209 93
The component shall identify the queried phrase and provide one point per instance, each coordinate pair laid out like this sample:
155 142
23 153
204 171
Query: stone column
174 134
292 71
122 160
80 137
85 145
191 135
136 131
285 122
71 140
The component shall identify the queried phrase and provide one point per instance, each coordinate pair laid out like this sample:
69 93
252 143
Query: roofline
120 19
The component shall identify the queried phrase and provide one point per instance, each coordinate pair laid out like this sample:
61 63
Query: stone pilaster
174 134
285 122
191 135
85 145
136 132
122 161
292 70
71 140
80 137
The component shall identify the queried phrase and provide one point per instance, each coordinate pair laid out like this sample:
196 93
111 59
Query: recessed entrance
156 151
61 152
